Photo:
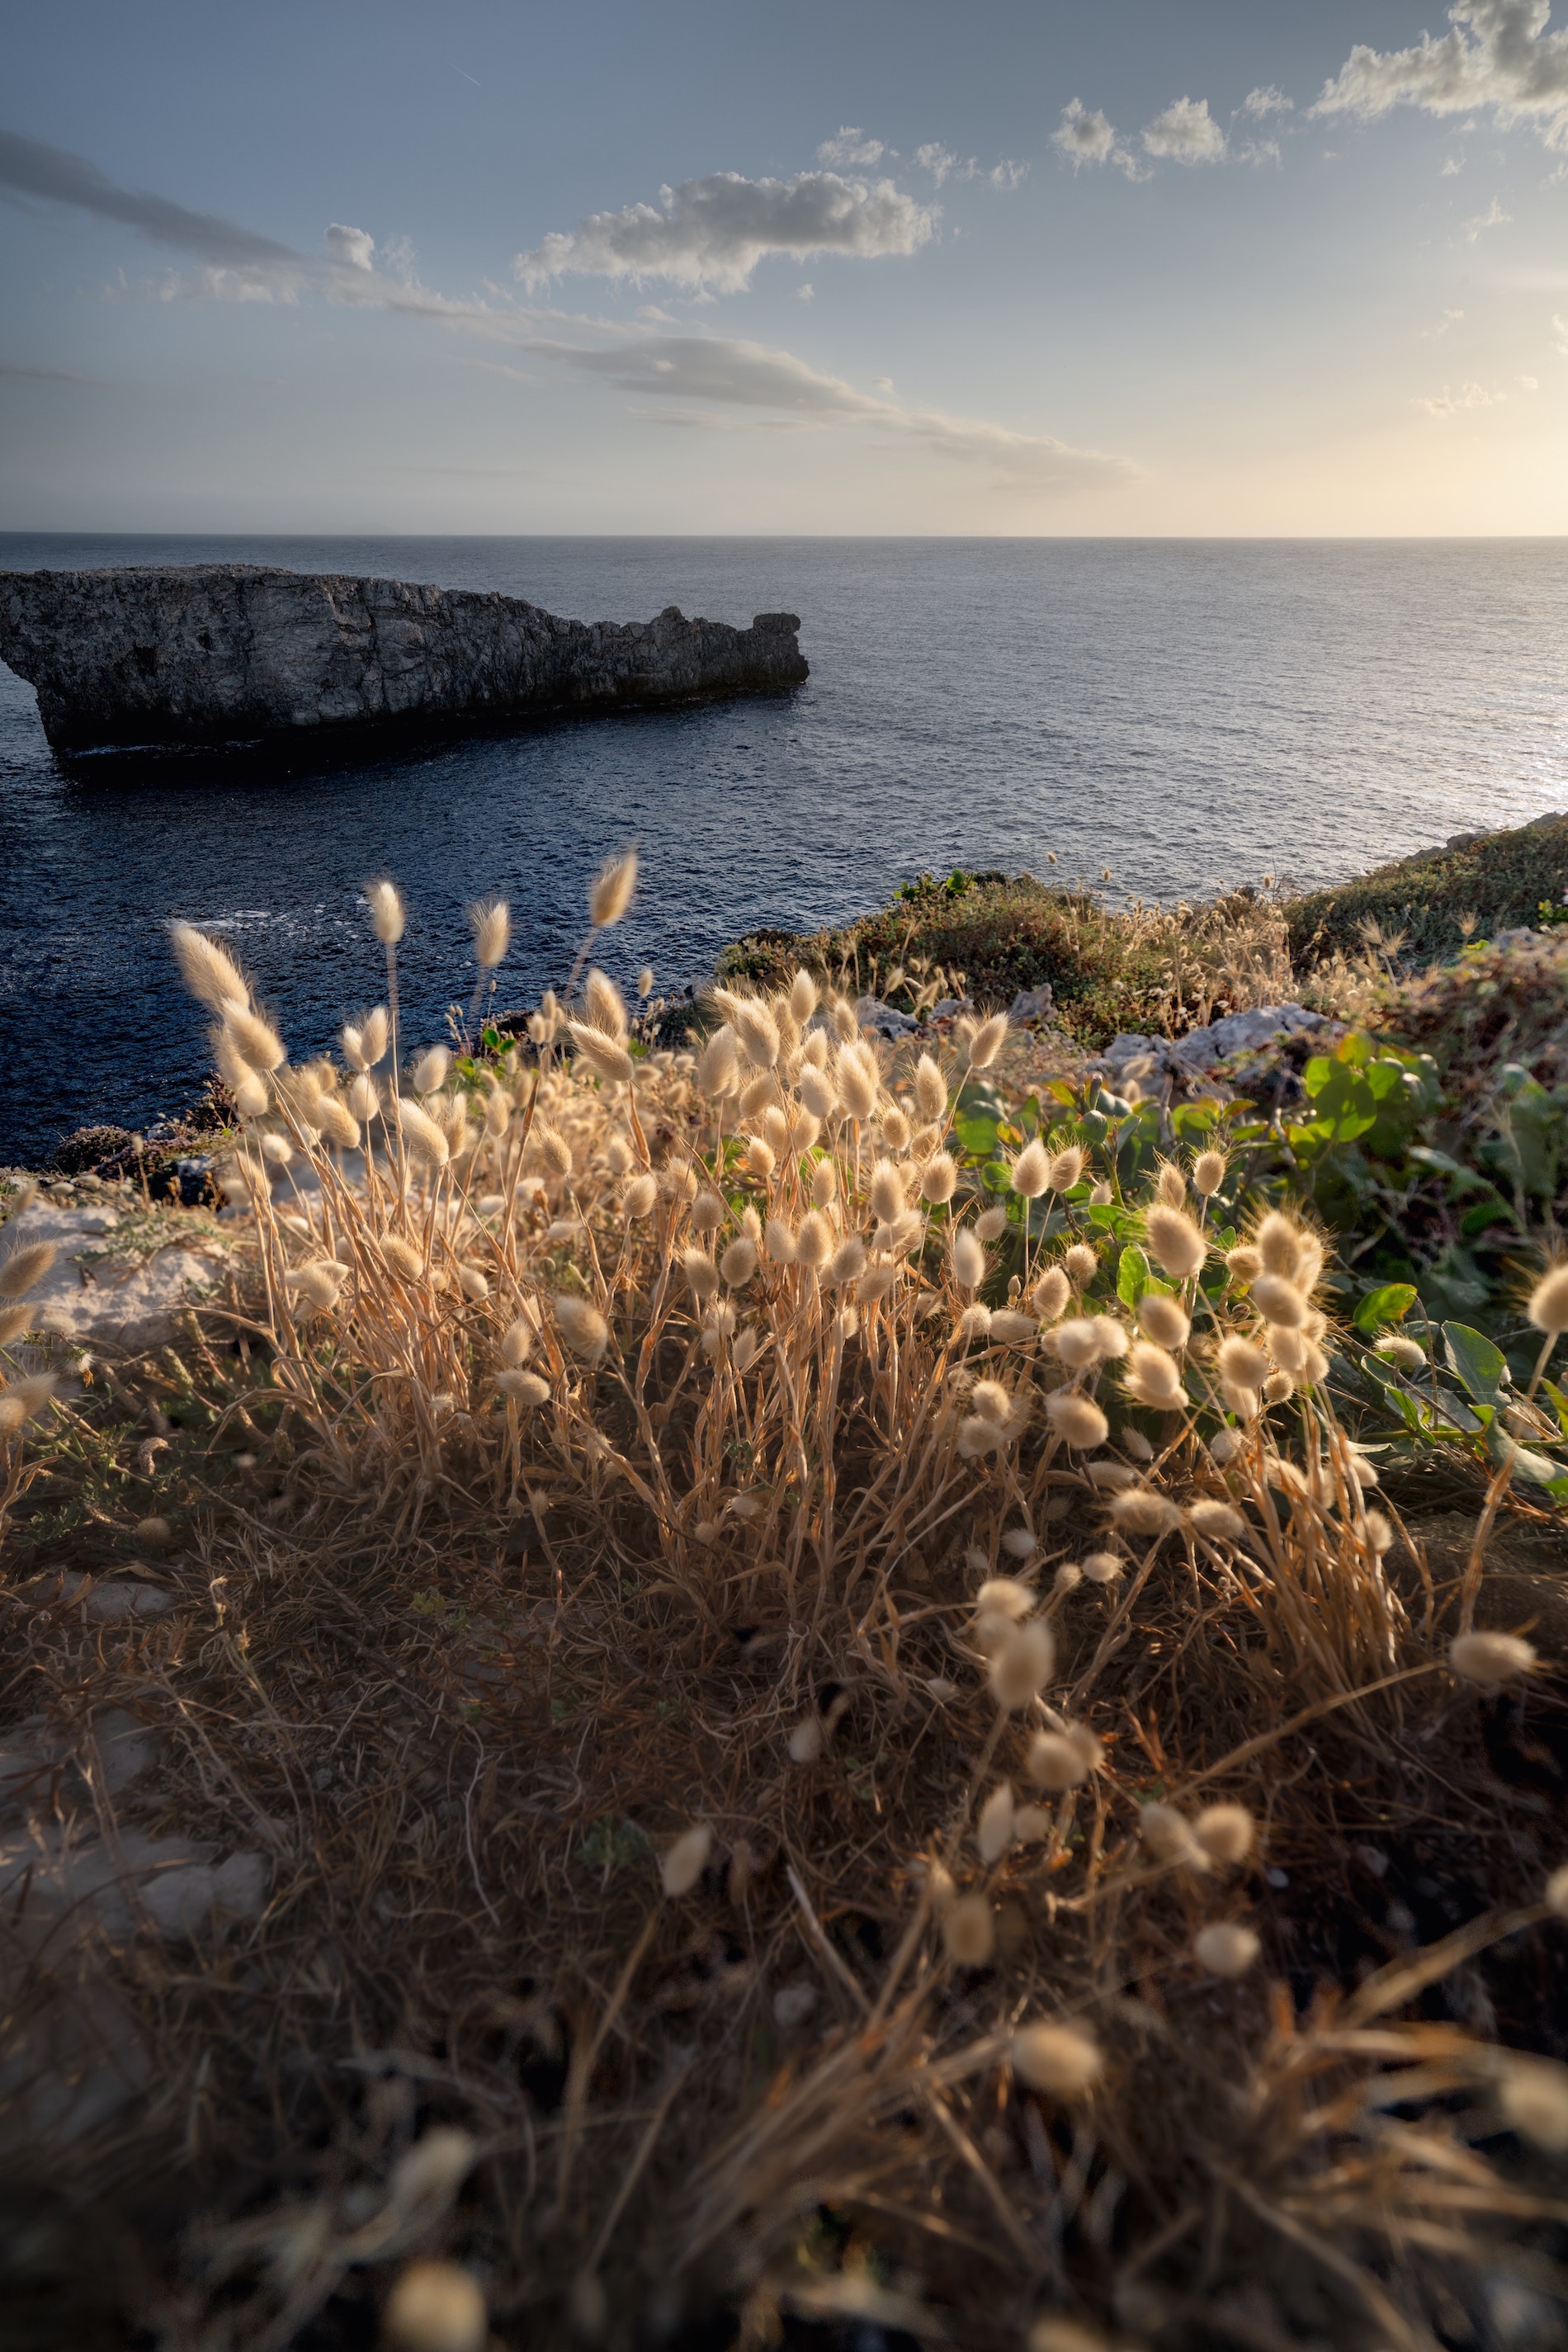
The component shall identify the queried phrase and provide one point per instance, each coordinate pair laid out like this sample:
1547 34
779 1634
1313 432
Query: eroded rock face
219 653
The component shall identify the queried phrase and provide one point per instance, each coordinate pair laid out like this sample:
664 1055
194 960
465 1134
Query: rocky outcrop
225 652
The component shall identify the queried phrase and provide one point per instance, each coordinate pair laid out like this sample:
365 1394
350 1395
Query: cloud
697 372
1266 101
851 147
1560 329
1450 319
352 249
1494 217
17 370
1086 137
1006 177
1185 133
1499 55
52 175
936 159
1469 395
711 233
1260 151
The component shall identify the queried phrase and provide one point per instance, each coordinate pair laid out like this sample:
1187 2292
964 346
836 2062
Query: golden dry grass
631 1448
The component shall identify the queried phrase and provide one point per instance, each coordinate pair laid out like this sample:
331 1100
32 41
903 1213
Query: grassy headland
876 1697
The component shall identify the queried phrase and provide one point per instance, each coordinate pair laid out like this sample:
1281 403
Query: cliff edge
225 652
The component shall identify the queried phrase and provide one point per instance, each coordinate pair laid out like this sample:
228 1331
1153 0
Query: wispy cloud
19 371
1470 395
1498 56
850 148
944 165
698 374
1494 217
711 233
1262 102
52 175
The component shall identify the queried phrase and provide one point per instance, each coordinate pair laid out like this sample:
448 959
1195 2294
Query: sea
1174 716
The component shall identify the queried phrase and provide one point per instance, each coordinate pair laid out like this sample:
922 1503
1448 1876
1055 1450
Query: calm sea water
1186 713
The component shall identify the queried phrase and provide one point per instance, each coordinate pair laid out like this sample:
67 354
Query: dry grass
516 1540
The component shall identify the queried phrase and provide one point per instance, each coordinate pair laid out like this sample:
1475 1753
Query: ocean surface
1187 713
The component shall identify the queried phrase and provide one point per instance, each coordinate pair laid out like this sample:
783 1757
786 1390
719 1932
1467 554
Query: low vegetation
886 1700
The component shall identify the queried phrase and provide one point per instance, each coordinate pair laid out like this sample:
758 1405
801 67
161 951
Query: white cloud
1260 151
1450 319
1266 101
1494 217
711 233
1006 176
936 159
806 293
1498 54
851 147
1084 137
1530 384
1560 329
352 249
1185 133
701 372
1452 167
1469 395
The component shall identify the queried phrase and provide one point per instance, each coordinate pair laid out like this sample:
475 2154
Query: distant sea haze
1187 713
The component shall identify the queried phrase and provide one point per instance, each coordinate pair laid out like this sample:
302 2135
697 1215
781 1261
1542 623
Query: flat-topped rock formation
229 653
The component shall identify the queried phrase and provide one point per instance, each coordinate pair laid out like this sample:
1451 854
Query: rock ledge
234 653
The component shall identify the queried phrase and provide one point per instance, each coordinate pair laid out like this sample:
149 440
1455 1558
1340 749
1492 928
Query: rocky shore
238 653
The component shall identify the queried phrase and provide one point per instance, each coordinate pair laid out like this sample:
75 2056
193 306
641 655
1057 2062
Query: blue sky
879 266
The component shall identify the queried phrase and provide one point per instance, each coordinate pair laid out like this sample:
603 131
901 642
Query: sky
1117 268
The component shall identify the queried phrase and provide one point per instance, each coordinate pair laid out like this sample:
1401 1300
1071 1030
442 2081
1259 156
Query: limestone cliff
220 653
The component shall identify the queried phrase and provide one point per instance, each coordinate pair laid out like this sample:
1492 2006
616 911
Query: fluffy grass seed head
388 916
1175 1244
968 1258
208 971
1554 1894
20 1399
1168 1835
859 1081
422 1134
581 1326
719 1064
1208 1174
684 1862
1081 1264
1102 1567
1490 1659
739 1262
939 1178
1063 2061
1055 1761
255 1040
1532 2094
1217 1520
1277 1241
757 1033
1547 1308
1278 1301
991 1224
1021 1665
1401 1350
1031 1170
521 1387
490 920
813 1240
606 1006
1050 1295
1171 1186
1077 1420
22 1269
1243 1263
1154 1379
640 1199
993 1830
611 893
1225 1947
1226 1832
434 2306
886 1192
1163 1319
429 1072
969 1932
604 1056
1142 1512
1068 1162
988 1041
930 1087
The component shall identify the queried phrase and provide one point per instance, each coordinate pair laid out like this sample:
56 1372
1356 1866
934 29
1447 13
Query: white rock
132 1310
884 1020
